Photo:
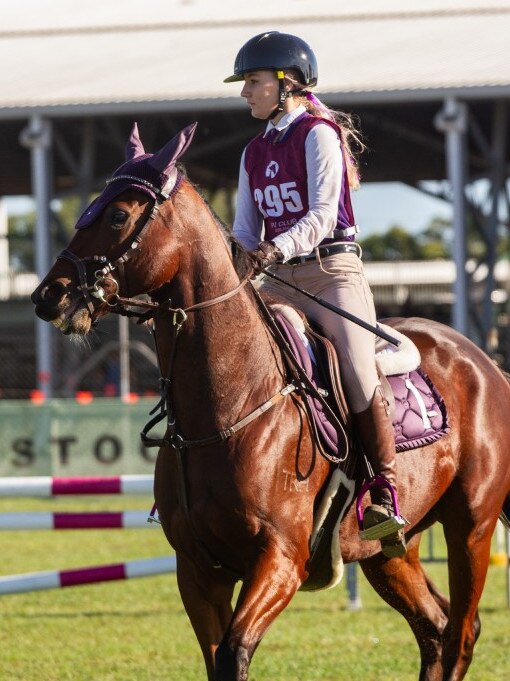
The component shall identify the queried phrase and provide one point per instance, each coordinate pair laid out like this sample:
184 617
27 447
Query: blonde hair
352 142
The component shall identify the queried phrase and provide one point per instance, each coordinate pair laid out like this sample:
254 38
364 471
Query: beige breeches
340 280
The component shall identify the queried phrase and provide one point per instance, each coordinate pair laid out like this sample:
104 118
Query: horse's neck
224 362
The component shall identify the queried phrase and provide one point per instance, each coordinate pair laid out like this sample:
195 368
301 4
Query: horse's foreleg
403 584
208 605
266 590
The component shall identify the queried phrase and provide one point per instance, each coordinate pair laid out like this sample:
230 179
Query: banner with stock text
61 437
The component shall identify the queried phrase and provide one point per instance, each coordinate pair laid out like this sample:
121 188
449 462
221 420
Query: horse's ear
134 147
173 150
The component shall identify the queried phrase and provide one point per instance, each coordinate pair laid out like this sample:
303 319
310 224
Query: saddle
417 410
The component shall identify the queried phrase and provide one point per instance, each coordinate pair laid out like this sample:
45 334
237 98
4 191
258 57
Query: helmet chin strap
282 96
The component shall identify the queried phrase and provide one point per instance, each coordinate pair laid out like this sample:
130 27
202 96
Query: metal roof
71 59
424 272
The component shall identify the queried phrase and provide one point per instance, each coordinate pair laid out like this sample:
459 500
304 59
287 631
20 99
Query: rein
164 408
179 311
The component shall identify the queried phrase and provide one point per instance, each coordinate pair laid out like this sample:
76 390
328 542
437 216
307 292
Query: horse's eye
119 217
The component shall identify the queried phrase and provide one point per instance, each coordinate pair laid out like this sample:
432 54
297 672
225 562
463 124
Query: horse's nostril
50 293
53 291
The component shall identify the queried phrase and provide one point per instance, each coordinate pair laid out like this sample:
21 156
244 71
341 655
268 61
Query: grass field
137 630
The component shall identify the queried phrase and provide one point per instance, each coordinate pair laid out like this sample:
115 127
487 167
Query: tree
436 239
395 244
21 232
433 243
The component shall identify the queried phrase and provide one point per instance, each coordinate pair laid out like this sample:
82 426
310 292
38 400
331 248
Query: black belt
324 251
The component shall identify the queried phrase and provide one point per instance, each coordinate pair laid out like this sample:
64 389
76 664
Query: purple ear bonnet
149 173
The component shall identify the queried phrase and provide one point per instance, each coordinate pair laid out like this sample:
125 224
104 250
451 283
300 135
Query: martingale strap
160 407
178 442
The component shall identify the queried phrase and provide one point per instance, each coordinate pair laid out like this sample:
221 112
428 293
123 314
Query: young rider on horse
294 182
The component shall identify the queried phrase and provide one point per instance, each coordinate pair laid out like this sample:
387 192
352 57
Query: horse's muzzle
48 299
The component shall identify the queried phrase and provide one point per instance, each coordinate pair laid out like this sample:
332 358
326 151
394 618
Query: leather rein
121 305
164 407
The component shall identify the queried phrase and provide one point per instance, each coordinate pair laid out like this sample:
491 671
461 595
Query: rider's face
261 92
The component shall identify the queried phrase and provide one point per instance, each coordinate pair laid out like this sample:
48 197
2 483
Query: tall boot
375 432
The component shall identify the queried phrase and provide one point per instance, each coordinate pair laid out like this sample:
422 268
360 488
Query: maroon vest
278 178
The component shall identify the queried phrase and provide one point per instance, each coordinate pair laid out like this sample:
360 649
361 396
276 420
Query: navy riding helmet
275 51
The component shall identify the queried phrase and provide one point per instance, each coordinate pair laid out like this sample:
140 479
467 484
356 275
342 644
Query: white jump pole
84 520
54 579
45 486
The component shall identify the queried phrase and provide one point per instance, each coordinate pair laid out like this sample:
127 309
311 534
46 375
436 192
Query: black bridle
117 303
103 274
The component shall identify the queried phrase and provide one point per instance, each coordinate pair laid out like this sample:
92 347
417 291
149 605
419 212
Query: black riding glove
265 254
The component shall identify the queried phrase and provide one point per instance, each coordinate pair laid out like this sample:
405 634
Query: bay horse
236 431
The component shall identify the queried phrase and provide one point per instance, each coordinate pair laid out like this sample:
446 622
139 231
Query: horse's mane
221 224
240 257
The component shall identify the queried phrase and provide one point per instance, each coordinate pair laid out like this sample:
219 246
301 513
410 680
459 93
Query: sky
377 207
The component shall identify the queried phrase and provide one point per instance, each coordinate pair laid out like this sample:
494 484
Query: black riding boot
375 431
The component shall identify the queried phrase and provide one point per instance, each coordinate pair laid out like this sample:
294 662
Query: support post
37 137
452 121
87 160
498 180
125 382
5 285
354 599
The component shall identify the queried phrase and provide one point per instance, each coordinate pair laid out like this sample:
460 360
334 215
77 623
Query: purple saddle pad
420 412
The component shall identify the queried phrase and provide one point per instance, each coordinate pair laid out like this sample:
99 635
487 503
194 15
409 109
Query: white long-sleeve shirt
324 167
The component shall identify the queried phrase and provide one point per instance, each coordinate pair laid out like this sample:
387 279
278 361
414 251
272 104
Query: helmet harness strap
282 95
